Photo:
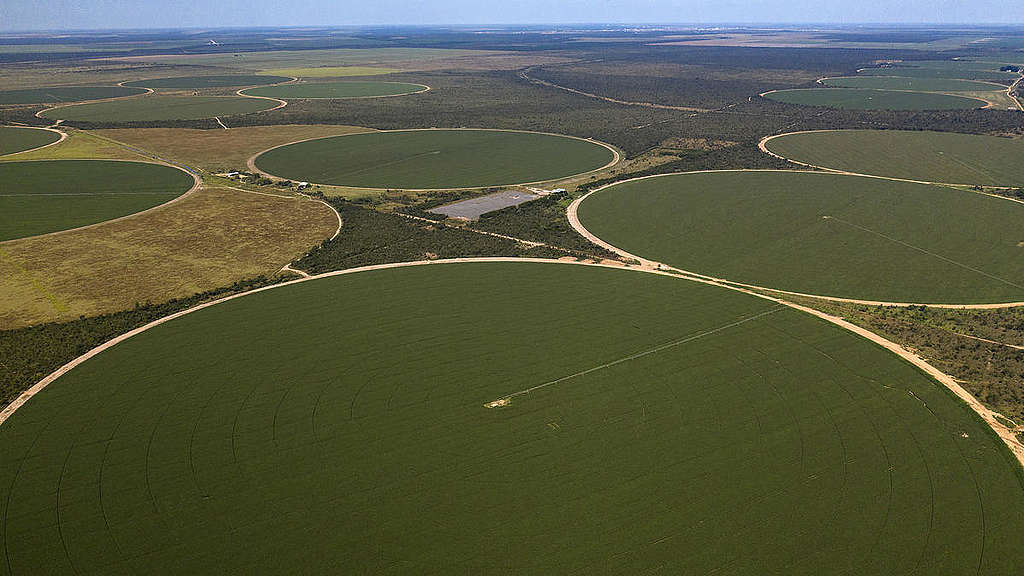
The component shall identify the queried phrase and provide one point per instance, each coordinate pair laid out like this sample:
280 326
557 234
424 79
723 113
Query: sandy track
63 137
66 104
763 146
574 221
197 183
525 75
989 416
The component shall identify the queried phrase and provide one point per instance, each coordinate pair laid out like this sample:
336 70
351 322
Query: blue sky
71 14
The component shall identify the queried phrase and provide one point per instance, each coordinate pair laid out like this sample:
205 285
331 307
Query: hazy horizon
68 15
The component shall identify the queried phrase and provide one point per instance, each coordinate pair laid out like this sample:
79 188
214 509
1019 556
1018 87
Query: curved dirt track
251 162
66 104
197 183
763 146
295 80
574 221
63 137
1008 436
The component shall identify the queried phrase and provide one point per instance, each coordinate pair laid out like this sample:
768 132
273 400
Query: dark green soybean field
864 99
339 425
347 89
53 195
824 234
14 139
420 159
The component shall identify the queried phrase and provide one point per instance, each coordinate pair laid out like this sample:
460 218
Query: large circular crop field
156 108
672 427
16 139
194 82
48 196
818 233
863 99
914 155
58 94
347 89
434 159
919 84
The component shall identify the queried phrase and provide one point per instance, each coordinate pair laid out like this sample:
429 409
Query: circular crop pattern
195 82
58 94
48 196
817 233
915 155
862 99
159 108
348 89
313 433
435 159
15 139
918 84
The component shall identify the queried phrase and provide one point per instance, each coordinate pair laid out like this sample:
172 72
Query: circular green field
48 196
914 155
16 139
858 99
817 233
919 84
58 94
194 82
434 159
311 433
351 89
157 108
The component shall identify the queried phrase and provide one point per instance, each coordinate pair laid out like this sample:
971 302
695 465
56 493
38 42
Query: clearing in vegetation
210 239
818 233
159 107
914 84
14 139
925 156
434 159
220 150
310 430
954 69
332 71
194 82
347 89
863 99
58 94
47 196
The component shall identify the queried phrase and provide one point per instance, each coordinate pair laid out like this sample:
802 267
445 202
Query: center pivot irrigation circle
436 159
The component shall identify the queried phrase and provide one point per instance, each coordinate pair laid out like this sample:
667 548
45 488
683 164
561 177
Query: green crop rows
926 156
312 432
193 82
58 94
434 159
41 197
351 89
14 139
918 84
153 108
820 233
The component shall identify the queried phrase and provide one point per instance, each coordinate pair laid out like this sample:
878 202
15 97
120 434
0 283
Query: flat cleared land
925 156
14 139
332 71
348 89
422 159
210 239
58 94
219 150
944 69
42 197
816 233
313 433
858 99
920 84
154 108
194 82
